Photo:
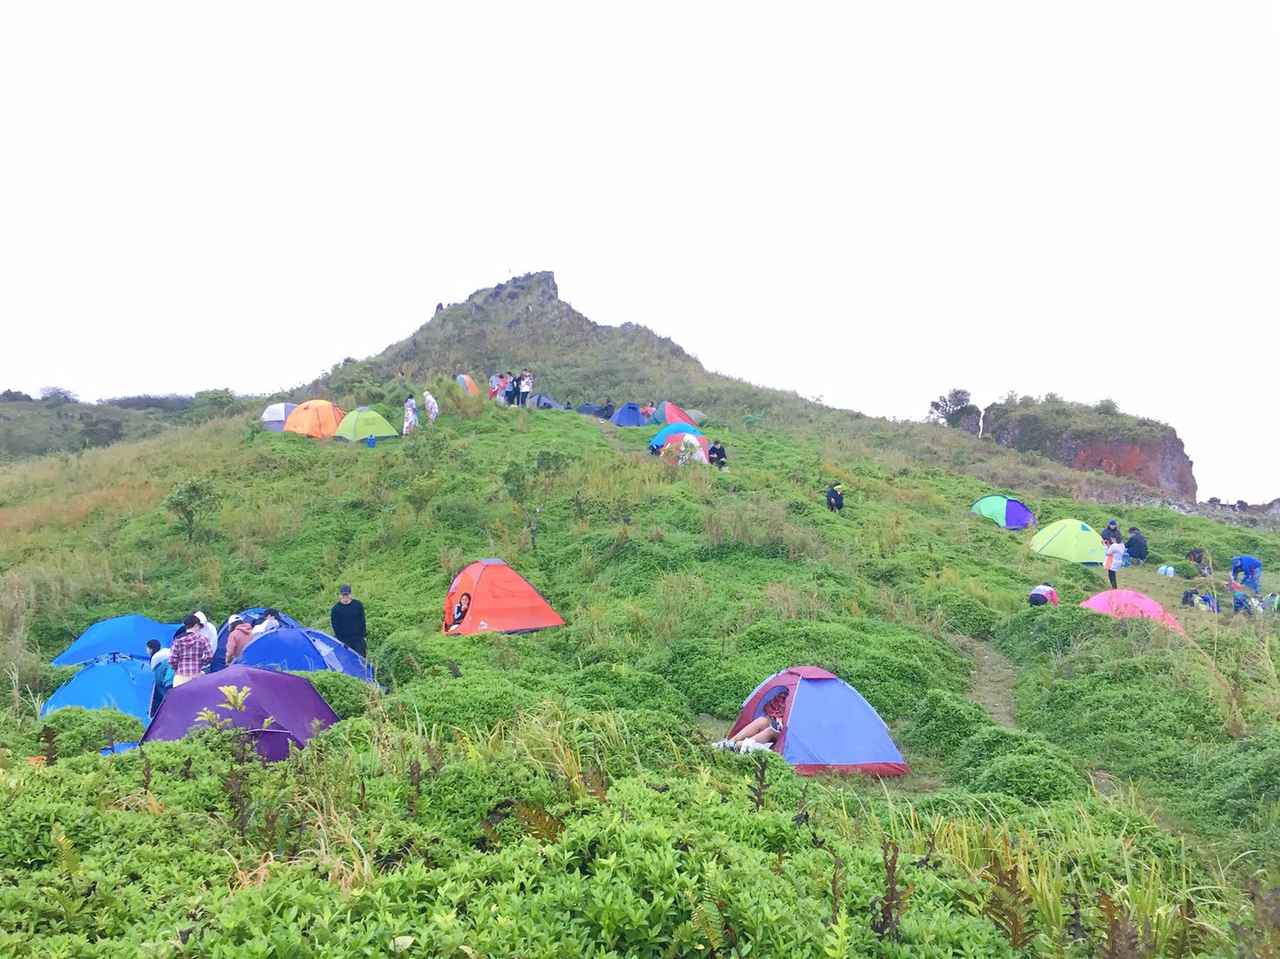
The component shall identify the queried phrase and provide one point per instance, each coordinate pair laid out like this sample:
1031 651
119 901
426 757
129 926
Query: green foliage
347 695
943 721
88 730
191 502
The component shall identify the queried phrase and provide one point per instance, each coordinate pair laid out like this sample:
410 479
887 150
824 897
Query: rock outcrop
1085 439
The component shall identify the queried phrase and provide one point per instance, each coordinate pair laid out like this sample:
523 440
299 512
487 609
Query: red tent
668 413
501 601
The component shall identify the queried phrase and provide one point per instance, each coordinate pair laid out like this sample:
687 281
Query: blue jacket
1249 565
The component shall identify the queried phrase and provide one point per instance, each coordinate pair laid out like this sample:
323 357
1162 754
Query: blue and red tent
629 414
827 726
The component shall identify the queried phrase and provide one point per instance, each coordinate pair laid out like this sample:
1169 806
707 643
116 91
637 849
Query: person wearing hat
835 497
347 619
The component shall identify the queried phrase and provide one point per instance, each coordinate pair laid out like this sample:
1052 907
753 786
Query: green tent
358 425
1004 511
1069 539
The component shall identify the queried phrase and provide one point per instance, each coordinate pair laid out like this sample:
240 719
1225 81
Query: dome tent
121 635
674 429
118 682
827 726
1130 604
629 414
502 601
668 412
318 419
274 416
1004 512
362 423
281 712
467 383
1069 539
304 651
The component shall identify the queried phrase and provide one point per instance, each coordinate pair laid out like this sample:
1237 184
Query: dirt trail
993 679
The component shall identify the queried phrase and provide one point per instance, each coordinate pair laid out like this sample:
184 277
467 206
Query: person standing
347 620
431 406
163 674
1113 558
526 387
835 497
190 652
410 415
239 636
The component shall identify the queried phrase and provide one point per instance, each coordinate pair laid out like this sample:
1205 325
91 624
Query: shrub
477 699
943 721
965 614
1032 778
617 686
1032 633
88 730
347 695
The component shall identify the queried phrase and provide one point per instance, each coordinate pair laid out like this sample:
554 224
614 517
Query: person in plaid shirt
190 652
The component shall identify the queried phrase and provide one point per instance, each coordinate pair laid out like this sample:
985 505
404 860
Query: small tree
57 396
1107 407
945 407
191 502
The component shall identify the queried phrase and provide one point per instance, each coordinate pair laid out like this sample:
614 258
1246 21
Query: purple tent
296 711
1003 511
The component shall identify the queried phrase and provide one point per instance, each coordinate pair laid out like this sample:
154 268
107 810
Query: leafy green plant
192 502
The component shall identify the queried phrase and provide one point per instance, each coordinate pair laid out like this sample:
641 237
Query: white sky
865 203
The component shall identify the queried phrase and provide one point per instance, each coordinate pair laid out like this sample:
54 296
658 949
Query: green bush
89 730
943 721
1032 778
963 613
347 695
1035 632
477 699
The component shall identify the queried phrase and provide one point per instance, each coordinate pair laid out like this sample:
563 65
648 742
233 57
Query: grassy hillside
37 427
552 795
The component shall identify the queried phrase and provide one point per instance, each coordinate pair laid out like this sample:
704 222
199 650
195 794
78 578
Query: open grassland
552 794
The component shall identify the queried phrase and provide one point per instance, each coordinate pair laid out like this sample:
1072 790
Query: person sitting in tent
1205 602
238 638
1202 561
431 406
190 652
1135 547
1247 570
410 415
716 456
269 622
762 732
1113 555
649 409
459 612
835 497
163 673
1042 595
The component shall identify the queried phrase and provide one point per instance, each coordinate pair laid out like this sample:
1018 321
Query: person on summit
347 620
835 497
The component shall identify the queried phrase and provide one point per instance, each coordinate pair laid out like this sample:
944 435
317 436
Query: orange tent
318 419
501 601
468 384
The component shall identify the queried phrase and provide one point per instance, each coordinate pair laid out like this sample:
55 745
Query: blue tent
591 409
304 650
661 437
117 683
629 414
827 726
253 613
123 635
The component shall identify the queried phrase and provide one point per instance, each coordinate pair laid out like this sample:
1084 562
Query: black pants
1111 575
1037 599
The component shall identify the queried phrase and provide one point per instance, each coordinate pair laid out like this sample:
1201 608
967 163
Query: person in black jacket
835 497
347 619
1136 546
716 456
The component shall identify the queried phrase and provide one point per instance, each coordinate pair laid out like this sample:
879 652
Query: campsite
476 760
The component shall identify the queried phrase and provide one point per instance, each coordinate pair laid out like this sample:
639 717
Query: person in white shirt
1113 559
207 629
270 621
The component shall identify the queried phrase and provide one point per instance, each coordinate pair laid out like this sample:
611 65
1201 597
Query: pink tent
1130 604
